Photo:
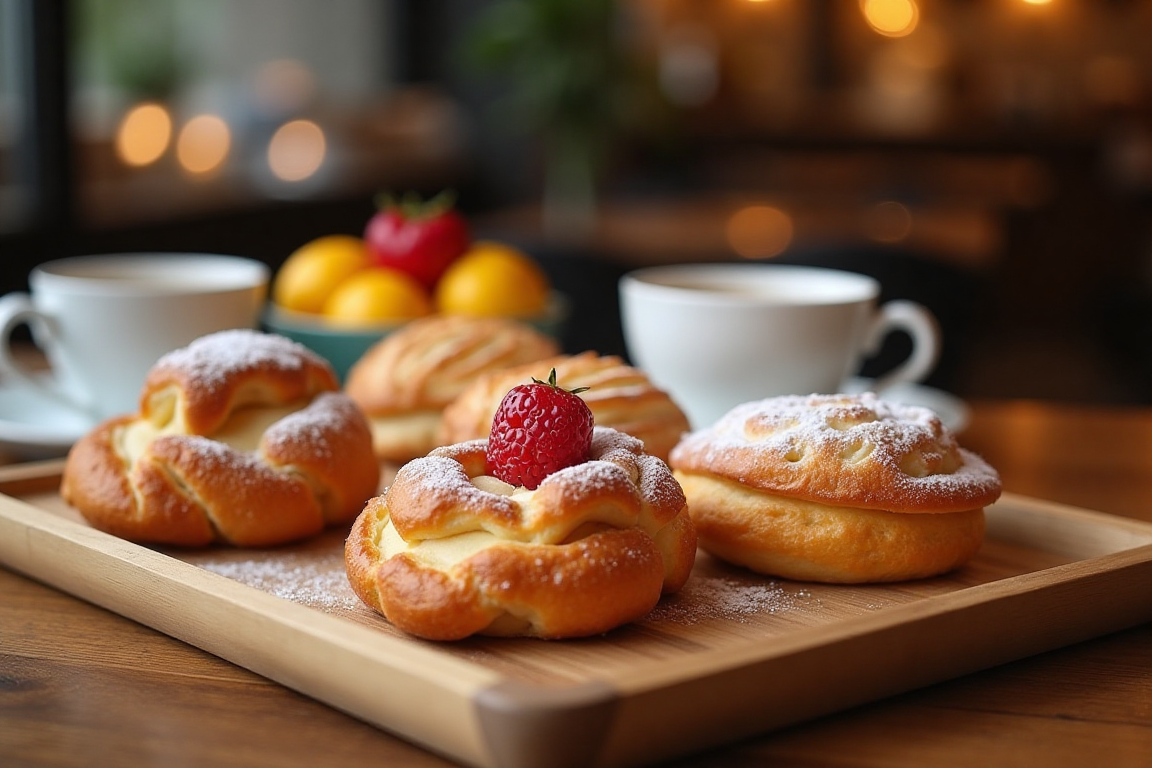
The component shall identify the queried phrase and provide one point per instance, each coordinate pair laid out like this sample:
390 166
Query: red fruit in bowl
538 429
418 237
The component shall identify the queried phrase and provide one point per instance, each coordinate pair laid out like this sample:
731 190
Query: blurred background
990 158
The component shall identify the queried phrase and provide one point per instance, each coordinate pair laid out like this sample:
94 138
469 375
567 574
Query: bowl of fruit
340 294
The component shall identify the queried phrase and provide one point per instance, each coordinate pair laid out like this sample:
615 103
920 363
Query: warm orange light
892 18
1037 2
203 144
296 150
143 134
889 222
759 231
927 49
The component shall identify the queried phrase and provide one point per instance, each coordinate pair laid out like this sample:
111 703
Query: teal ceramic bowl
343 346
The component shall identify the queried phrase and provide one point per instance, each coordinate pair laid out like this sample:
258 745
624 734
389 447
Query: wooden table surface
80 686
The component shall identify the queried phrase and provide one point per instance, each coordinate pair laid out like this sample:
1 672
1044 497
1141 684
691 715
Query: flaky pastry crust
242 438
405 380
619 396
448 551
835 488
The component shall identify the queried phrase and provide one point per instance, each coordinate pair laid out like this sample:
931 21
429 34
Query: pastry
449 551
404 381
241 438
835 488
619 395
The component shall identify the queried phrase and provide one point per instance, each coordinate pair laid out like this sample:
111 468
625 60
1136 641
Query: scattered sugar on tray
321 584
717 598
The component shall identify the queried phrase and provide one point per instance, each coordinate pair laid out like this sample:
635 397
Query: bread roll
835 488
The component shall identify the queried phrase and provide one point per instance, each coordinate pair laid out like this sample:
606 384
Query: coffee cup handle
921 325
17 309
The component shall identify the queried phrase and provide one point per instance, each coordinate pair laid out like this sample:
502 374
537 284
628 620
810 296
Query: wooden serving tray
732 655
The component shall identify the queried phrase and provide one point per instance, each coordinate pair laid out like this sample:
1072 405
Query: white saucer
953 411
33 426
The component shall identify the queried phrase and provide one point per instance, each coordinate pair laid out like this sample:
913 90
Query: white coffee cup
717 335
104 321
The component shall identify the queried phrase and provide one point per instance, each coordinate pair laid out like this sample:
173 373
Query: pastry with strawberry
552 527
619 395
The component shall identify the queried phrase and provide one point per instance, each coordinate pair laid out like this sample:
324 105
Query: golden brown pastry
619 396
242 438
449 551
404 382
835 488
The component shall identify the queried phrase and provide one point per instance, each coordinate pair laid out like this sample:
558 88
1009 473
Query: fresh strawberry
420 238
538 429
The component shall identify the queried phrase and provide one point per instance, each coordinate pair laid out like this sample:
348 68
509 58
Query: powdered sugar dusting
212 359
238 467
920 456
589 477
312 425
605 440
658 486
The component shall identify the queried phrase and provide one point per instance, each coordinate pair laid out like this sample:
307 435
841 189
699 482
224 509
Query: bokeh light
689 66
759 231
283 86
203 144
297 150
144 134
892 18
889 222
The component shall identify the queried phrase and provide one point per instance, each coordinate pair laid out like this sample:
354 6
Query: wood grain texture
76 681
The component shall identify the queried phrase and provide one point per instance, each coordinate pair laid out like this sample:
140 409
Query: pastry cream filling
440 554
496 485
443 553
242 431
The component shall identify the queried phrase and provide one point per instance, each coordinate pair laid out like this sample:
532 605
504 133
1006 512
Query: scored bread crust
835 488
847 450
619 396
592 548
405 380
183 471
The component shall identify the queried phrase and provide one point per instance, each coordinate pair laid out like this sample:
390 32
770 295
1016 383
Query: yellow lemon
310 275
493 279
377 295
